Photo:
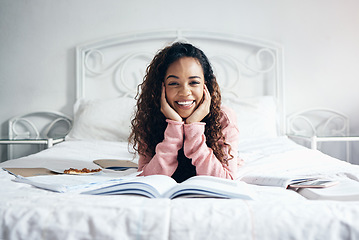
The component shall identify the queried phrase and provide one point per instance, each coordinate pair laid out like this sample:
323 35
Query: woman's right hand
166 109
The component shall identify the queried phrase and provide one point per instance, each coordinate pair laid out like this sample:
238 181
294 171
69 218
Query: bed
250 73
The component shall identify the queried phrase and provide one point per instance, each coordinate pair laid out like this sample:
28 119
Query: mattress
27 212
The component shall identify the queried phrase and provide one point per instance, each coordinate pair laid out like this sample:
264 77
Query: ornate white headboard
244 67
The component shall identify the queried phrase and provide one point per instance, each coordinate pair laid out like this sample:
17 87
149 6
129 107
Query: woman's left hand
202 110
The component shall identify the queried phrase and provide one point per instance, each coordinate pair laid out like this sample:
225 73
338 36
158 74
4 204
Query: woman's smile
186 104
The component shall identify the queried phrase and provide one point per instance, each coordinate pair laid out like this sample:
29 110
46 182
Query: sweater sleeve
202 156
164 161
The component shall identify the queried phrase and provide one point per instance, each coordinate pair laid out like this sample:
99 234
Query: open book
115 164
285 182
345 190
161 186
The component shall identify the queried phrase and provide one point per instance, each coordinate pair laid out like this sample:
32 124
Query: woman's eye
195 83
172 84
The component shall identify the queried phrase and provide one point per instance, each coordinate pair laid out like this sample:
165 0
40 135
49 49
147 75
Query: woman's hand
166 109
203 109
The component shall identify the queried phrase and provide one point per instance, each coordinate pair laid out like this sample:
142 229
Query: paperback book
285 182
161 186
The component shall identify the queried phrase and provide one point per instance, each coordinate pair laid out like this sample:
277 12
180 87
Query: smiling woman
180 128
184 88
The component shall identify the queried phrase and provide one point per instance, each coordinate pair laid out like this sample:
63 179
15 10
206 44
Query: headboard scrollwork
244 67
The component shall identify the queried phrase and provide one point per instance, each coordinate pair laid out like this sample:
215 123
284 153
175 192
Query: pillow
256 116
110 119
107 119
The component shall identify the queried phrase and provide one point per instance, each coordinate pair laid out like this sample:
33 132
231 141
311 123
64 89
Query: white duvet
27 212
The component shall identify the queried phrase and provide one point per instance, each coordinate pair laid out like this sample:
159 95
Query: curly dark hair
149 124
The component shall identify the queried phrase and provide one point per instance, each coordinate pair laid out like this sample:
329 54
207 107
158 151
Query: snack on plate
80 171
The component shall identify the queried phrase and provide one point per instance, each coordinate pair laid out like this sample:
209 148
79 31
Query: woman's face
184 83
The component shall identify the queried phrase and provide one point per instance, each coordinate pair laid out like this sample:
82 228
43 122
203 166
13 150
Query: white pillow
108 119
257 116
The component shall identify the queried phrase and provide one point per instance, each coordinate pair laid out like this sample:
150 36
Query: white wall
37 40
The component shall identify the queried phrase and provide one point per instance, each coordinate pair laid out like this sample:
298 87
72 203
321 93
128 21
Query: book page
161 183
276 181
317 183
153 186
211 187
267 181
68 182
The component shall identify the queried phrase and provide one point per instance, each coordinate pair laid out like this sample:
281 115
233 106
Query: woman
180 128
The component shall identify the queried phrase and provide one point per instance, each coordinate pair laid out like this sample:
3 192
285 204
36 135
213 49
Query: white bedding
282 157
79 153
27 212
104 107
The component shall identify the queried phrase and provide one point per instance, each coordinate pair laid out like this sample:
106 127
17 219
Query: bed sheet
283 157
78 153
30 213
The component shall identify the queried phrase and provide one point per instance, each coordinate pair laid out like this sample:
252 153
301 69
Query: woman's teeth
185 103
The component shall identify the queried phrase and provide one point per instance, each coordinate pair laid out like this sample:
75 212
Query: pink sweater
165 162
